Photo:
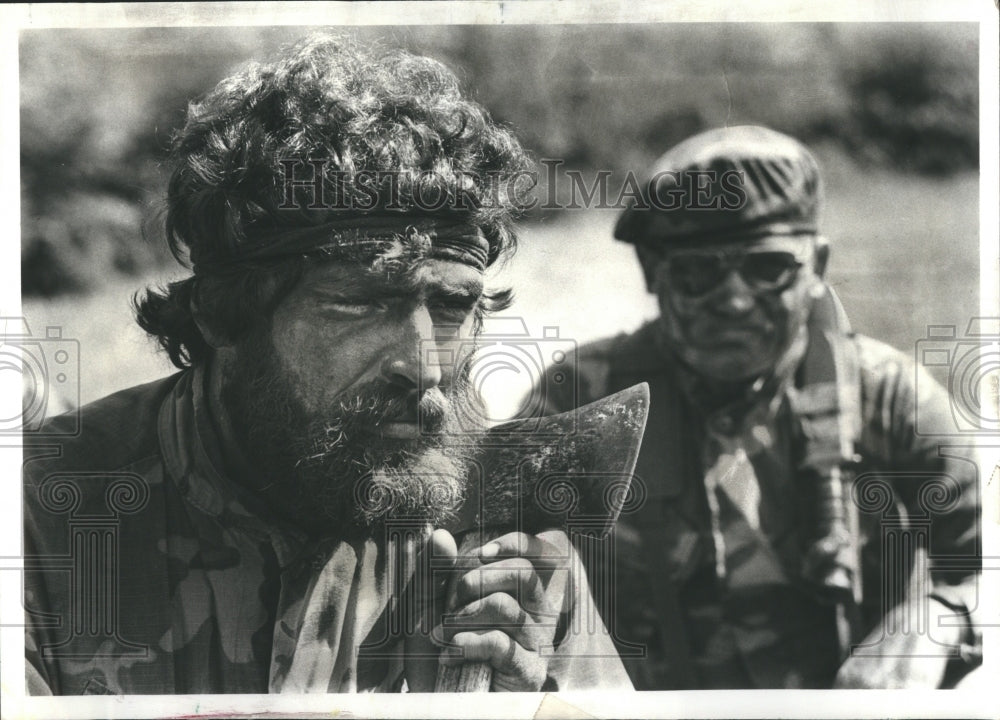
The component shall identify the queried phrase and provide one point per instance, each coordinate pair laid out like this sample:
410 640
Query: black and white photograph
361 356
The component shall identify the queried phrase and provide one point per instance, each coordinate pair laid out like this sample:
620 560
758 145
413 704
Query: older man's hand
504 610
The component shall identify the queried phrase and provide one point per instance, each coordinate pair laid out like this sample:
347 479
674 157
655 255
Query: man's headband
358 238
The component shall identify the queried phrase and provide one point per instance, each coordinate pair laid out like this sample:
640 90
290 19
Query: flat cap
725 185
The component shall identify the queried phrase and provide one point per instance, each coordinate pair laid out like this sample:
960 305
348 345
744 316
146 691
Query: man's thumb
434 563
442 546
434 566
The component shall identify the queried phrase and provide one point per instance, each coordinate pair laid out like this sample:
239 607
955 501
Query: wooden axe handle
469 677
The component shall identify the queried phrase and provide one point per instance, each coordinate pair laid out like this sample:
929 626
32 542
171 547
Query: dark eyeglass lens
769 269
696 275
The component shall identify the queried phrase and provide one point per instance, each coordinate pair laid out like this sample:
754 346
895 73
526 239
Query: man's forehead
425 274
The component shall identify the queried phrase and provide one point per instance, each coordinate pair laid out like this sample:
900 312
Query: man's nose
409 361
734 297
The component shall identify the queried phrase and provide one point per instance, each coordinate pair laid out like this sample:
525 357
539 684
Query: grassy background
905 255
890 109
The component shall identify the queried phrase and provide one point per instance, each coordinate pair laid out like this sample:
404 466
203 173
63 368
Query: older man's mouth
721 336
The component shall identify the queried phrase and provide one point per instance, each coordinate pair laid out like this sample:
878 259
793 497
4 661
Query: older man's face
345 400
730 311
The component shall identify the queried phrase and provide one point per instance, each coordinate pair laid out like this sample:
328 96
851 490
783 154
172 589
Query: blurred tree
914 96
98 107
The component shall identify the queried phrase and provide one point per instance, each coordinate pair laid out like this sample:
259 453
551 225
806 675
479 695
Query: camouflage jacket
149 571
676 622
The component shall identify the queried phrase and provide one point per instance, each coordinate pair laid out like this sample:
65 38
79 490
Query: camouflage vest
696 634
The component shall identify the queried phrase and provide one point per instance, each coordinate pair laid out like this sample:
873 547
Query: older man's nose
409 360
734 297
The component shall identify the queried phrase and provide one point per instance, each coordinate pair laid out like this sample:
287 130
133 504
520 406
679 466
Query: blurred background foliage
98 108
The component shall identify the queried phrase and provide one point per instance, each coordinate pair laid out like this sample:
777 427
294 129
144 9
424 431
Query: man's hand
423 605
504 610
906 658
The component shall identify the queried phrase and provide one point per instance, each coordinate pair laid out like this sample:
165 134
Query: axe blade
573 472
573 468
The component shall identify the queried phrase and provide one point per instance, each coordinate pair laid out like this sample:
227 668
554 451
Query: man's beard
334 473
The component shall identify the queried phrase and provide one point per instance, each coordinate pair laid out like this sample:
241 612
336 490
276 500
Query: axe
570 471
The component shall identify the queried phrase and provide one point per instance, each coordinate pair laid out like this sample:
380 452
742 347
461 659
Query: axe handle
468 677
471 676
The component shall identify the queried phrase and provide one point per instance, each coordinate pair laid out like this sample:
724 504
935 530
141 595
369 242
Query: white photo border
691 704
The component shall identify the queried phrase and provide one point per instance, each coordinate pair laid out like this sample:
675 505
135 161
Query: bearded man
253 523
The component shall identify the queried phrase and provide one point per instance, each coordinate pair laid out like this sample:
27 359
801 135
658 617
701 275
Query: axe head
570 471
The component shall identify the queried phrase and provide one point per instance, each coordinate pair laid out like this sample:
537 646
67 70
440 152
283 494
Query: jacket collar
192 452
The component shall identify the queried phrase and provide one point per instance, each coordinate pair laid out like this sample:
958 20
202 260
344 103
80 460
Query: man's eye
354 308
452 311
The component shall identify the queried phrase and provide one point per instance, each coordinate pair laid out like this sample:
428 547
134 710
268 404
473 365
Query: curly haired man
339 208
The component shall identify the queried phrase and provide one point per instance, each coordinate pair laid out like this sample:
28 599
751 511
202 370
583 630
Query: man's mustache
354 420
377 403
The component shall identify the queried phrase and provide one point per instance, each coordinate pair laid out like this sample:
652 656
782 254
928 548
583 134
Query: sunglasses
696 274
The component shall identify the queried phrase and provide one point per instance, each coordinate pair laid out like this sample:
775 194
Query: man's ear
822 255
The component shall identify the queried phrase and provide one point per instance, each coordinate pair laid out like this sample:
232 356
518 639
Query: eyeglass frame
734 255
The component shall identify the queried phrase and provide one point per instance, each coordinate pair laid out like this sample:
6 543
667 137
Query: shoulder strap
826 398
826 402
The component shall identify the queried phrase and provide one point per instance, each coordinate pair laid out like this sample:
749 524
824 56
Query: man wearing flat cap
796 530
272 518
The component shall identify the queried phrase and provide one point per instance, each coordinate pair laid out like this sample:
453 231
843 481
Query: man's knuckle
498 604
518 565
512 542
498 643
555 539
468 585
